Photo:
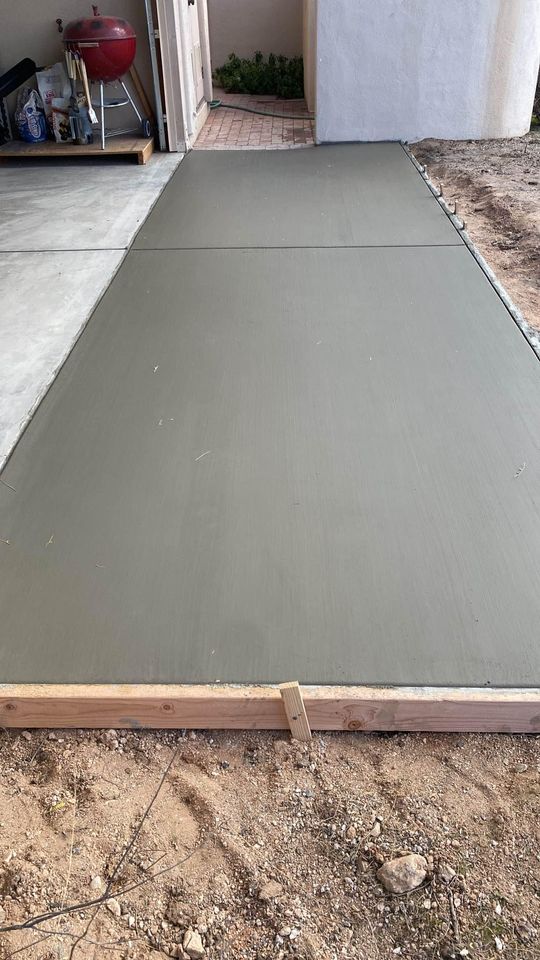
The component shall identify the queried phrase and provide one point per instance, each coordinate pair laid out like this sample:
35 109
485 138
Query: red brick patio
235 130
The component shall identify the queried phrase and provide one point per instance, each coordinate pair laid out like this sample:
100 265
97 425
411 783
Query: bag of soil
30 116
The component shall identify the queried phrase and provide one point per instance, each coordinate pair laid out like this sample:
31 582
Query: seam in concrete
524 326
318 246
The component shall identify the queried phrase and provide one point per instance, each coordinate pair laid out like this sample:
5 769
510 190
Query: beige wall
244 26
28 29
310 51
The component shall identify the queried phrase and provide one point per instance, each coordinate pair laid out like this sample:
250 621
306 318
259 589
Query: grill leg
131 100
102 110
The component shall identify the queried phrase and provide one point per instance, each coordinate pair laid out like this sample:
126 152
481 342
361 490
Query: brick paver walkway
235 130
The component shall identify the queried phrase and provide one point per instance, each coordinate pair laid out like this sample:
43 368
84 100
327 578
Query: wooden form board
139 147
261 708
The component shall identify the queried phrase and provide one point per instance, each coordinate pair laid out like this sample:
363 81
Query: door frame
184 119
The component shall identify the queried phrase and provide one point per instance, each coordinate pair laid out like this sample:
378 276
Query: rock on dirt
270 890
114 907
403 874
193 944
525 931
446 873
179 913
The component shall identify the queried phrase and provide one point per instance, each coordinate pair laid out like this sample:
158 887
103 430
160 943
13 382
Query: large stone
193 944
403 874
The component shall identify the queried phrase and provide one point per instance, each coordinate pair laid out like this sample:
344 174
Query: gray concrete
332 196
265 464
78 204
64 229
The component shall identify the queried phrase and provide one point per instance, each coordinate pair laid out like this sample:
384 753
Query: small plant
280 76
536 107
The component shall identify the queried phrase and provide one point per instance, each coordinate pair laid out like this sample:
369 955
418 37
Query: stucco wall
244 26
408 69
28 29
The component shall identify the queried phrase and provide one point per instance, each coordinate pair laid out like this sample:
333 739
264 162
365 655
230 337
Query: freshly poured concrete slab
344 195
259 465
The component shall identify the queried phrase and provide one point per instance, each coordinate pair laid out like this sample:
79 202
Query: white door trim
202 6
184 120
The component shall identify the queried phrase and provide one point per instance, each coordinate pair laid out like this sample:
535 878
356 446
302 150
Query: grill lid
97 29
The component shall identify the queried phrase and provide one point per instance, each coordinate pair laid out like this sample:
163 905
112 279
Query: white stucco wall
244 26
408 69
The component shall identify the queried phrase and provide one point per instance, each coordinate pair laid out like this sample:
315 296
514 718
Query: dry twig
98 901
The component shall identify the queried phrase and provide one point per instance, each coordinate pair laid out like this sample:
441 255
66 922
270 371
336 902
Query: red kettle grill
107 45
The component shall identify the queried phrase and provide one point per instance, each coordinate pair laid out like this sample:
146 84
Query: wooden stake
295 710
141 93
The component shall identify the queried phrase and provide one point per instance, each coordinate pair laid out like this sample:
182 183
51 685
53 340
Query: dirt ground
496 184
240 812
257 847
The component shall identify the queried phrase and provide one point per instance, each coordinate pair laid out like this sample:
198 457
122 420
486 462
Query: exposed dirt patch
270 848
496 184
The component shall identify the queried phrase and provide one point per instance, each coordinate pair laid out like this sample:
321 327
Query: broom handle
84 78
69 65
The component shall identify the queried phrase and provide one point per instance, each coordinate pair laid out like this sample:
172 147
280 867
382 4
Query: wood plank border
261 708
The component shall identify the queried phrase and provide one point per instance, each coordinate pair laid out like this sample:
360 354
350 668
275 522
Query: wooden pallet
265 708
137 147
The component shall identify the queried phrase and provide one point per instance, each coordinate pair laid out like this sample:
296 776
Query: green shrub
280 76
536 107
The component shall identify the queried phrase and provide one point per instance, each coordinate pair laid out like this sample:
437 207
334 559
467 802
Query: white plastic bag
52 84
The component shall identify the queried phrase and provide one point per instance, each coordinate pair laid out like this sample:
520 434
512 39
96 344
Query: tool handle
84 77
